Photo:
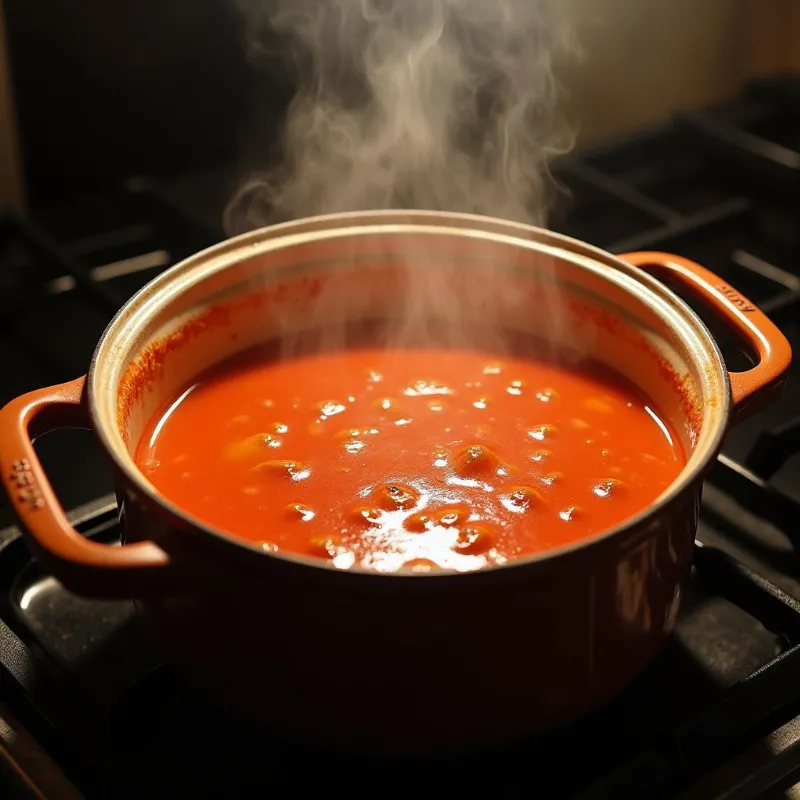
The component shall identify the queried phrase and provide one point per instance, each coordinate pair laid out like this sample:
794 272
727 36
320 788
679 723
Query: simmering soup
410 457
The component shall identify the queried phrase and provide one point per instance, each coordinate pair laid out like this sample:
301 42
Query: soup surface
420 457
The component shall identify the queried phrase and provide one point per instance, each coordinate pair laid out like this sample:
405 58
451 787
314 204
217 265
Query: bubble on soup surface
474 539
542 432
330 409
291 470
452 516
436 405
325 546
475 459
365 515
608 487
493 369
298 511
420 565
353 439
515 388
269 547
540 456
552 478
481 403
355 433
252 446
440 458
388 407
546 395
395 496
571 513
418 523
422 388
521 498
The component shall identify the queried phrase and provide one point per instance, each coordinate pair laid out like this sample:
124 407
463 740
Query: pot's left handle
83 566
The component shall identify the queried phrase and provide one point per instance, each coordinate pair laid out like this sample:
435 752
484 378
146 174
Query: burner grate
757 495
759 134
774 448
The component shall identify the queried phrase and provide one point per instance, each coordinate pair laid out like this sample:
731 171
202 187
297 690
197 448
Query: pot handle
83 566
759 386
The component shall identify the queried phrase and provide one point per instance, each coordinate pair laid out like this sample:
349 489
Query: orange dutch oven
403 663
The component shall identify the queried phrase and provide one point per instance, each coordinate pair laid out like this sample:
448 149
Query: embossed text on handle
28 491
735 298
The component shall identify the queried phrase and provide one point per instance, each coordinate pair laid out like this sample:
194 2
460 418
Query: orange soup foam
410 457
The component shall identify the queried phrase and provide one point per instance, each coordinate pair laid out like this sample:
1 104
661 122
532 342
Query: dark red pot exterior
517 652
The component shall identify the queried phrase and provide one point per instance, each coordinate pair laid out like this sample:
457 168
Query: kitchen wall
645 58
642 60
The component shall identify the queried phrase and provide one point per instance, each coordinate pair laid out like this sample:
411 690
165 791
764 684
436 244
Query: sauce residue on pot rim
418 457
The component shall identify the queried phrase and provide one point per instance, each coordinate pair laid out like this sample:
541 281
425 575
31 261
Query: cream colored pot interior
403 268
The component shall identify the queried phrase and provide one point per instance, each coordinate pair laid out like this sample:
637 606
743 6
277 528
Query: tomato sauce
417 457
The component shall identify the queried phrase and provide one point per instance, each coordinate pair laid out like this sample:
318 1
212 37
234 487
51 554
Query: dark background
109 89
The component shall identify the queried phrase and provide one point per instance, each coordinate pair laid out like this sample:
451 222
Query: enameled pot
406 662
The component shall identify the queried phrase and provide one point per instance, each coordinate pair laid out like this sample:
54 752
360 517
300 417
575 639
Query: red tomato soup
417 457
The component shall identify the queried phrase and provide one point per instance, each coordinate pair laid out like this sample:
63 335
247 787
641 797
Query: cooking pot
419 662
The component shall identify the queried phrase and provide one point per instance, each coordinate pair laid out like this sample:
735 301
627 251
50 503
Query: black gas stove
84 695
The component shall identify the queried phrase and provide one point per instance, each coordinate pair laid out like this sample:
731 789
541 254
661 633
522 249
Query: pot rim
232 251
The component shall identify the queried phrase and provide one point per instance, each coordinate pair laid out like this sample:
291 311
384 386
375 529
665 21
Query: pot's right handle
84 566
757 387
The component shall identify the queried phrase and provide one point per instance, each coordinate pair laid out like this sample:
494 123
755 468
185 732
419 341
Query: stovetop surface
85 680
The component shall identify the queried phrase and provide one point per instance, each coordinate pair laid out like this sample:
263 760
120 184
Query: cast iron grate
92 274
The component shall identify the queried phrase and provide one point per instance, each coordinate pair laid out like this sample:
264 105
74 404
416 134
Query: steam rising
425 104
443 105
